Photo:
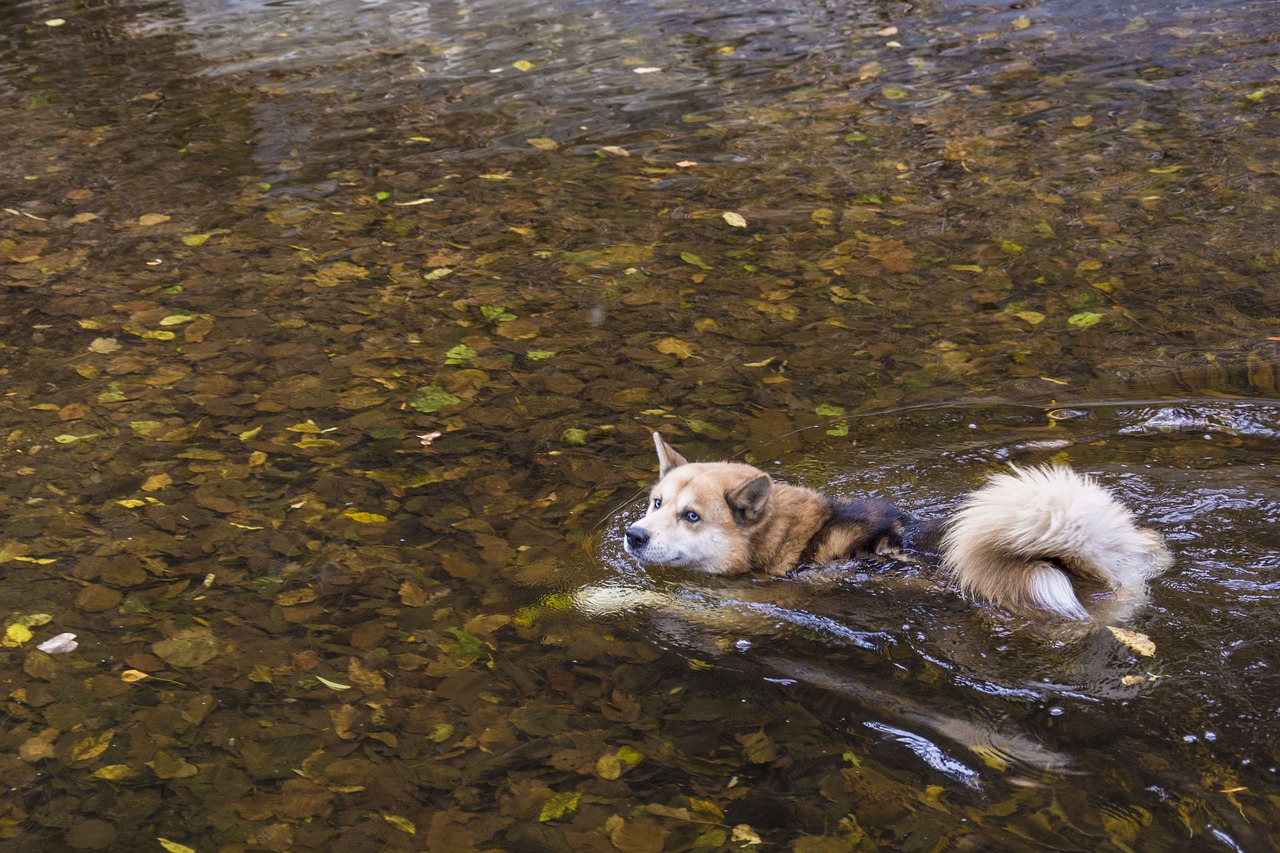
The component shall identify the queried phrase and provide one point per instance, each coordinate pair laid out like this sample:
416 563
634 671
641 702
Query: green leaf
574 436
540 354
559 805
432 398
471 644
497 312
827 410
460 354
1084 319
695 260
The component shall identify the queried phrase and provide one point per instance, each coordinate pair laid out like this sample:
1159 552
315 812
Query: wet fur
1030 540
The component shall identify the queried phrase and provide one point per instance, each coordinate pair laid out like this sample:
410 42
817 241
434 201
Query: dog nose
637 537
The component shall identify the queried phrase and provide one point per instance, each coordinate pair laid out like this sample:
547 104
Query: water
333 333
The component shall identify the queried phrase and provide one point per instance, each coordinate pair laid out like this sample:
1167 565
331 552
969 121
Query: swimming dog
1033 539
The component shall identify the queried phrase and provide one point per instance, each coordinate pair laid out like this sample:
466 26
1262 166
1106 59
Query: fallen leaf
174 847
1140 643
559 805
695 260
674 346
188 647
401 823
91 747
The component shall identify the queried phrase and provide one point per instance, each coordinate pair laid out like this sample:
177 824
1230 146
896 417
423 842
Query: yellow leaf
114 773
608 767
1140 643
250 434
1082 121
129 676
522 65
401 823
674 346
1021 22
309 427
177 319
966 267
174 847
364 518
131 503
734 219
156 482
15 635
152 219
543 143
157 335
91 747
1032 317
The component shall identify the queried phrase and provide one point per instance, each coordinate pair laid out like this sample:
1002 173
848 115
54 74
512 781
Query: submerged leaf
695 260
432 398
1140 643
559 805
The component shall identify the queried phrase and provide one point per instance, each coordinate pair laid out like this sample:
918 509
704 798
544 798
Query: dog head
700 514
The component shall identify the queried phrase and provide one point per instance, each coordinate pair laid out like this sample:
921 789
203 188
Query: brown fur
749 523
1024 540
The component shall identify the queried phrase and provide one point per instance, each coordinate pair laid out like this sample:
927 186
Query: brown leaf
189 647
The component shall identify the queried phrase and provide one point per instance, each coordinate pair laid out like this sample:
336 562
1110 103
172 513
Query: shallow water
334 332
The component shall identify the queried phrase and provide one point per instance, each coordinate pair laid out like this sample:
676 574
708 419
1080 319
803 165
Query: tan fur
1022 541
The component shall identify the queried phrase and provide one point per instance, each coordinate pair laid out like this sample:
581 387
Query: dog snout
637 537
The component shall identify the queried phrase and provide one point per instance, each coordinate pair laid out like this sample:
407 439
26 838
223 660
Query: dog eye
657 502
691 517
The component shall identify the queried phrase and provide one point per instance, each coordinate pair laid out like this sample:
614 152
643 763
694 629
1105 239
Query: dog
1032 540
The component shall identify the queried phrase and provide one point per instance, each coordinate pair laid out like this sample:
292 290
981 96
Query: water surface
334 332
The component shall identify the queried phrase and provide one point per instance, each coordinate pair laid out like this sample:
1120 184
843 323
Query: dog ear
749 500
667 458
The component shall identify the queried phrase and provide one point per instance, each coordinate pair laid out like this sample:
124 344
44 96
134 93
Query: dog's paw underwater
1033 540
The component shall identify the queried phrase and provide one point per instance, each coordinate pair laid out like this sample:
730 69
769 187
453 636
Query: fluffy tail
1025 539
